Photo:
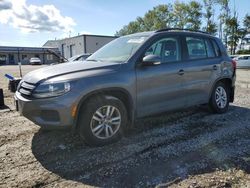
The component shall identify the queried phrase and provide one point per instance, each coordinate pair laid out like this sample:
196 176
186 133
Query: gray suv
131 77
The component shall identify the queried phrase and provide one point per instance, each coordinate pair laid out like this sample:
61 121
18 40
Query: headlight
48 89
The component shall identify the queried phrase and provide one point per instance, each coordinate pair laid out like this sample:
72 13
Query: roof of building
26 49
88 35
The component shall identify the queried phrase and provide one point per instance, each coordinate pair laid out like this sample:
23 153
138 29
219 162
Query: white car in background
243 61
35 61
80 57
233 56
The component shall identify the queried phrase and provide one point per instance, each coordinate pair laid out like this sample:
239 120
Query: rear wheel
219 100
102 120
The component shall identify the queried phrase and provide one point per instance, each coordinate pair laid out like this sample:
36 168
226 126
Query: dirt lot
191 148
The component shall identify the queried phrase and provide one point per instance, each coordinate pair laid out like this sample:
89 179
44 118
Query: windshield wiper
90 60
95 60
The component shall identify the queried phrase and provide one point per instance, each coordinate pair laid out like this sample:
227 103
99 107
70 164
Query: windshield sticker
136 40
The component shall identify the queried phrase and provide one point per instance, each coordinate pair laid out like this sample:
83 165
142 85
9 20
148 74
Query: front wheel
219 100
102 120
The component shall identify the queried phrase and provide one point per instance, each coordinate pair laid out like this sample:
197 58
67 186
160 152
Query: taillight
234 64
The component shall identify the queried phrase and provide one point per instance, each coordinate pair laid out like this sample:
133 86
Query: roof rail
180 29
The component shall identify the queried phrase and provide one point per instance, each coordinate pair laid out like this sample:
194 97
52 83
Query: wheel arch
120 93
228 82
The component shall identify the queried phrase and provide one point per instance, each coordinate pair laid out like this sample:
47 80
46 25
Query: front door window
167 48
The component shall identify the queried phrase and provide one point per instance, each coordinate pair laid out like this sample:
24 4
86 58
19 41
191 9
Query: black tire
213 105
88 111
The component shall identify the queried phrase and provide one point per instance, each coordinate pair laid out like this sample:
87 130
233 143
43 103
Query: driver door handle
181 72
215 67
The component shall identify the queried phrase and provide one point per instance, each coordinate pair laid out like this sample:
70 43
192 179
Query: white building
79 44
12 55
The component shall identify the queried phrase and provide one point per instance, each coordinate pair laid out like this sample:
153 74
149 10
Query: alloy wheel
105 122
221 97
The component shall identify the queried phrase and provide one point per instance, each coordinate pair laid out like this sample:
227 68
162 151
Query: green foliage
132 27
224 16
189 15
243 52
180 15
246 23
194 15
211 26
233 33
160 17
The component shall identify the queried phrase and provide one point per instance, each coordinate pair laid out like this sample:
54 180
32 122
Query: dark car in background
131 77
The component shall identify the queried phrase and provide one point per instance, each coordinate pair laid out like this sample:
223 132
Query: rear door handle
215 67
181 72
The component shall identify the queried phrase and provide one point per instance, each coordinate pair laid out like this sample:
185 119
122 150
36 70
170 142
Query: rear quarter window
216 48
210 49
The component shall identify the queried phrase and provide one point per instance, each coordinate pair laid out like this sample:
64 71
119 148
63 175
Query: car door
159 87
202 69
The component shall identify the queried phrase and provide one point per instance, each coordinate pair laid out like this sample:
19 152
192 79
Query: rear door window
196 48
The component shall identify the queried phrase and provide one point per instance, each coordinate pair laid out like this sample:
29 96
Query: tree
245 30
132 27
159 17
194 15
233 33
210 26
180 14
242 33
246 23
224 17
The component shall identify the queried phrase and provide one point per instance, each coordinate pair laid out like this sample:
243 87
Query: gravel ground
190 148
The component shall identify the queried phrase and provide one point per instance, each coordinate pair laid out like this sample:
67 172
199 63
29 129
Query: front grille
26 88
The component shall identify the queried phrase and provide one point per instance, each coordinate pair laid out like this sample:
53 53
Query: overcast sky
33 22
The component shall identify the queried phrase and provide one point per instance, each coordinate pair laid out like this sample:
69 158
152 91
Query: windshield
118 50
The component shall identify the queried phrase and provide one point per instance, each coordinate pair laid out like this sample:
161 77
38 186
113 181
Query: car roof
173 30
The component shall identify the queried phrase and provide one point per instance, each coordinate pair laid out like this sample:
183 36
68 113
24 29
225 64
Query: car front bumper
48 113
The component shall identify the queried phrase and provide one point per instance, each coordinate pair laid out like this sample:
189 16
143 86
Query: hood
67 68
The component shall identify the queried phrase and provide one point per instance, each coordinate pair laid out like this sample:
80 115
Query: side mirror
151 60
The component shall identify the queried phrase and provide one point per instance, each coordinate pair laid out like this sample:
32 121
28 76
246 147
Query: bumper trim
36 110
